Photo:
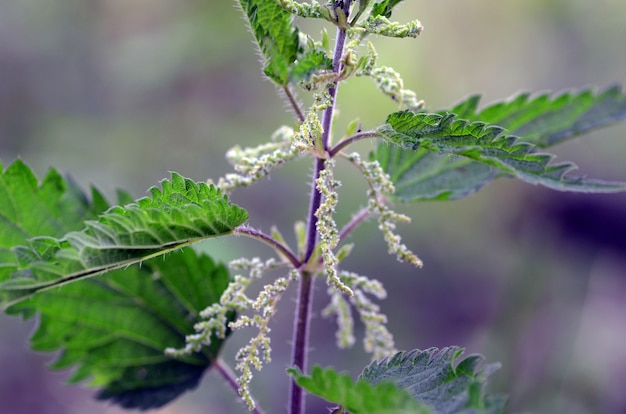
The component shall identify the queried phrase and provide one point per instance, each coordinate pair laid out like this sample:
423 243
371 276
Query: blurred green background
119 92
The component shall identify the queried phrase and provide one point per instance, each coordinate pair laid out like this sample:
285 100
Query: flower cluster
234 299
258 350
309 134
327 228
377 340
380 185
252 164
380 25
313 9
388 81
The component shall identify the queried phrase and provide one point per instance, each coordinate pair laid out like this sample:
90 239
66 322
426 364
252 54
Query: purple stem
327 121
303 309
354 138
359 218
270 241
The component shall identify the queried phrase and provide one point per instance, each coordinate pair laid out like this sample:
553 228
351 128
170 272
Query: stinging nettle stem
303 308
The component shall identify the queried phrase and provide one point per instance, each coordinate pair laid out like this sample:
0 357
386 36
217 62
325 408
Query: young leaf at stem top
384 8
285 59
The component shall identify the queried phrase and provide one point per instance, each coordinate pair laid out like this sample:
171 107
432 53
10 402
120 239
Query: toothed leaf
309 63
357 397
384 8
546 120
278 40
284 58
437 379
181 213
113 329
449 165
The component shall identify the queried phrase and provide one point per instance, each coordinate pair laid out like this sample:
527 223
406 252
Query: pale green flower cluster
313 9
309 134
388 81
380 25
380 186
258 350
377 340
327 228
234 299
340 307
253 164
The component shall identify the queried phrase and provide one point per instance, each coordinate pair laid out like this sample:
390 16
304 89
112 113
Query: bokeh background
119 92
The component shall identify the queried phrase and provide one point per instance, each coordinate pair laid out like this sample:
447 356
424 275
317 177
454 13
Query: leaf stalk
350 140
280 248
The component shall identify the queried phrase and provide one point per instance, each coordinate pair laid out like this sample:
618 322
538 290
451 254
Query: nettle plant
134 309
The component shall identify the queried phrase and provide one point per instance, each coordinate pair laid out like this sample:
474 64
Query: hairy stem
301 339
327 123
303 309
231 379
280 248
294 103
354 138
356 220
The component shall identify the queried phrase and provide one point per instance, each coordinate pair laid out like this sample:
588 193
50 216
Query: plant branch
231 380
280 248
294 103
354 138
303 309
356 220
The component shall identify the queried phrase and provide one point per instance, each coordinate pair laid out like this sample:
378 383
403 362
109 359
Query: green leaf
309 63
114 329
182 213
29 209
445 134
545 119
423 175
275 35
61 206
542 120
285 60
384 8
434 378
358 397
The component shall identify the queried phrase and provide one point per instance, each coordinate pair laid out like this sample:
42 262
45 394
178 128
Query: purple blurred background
119 92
